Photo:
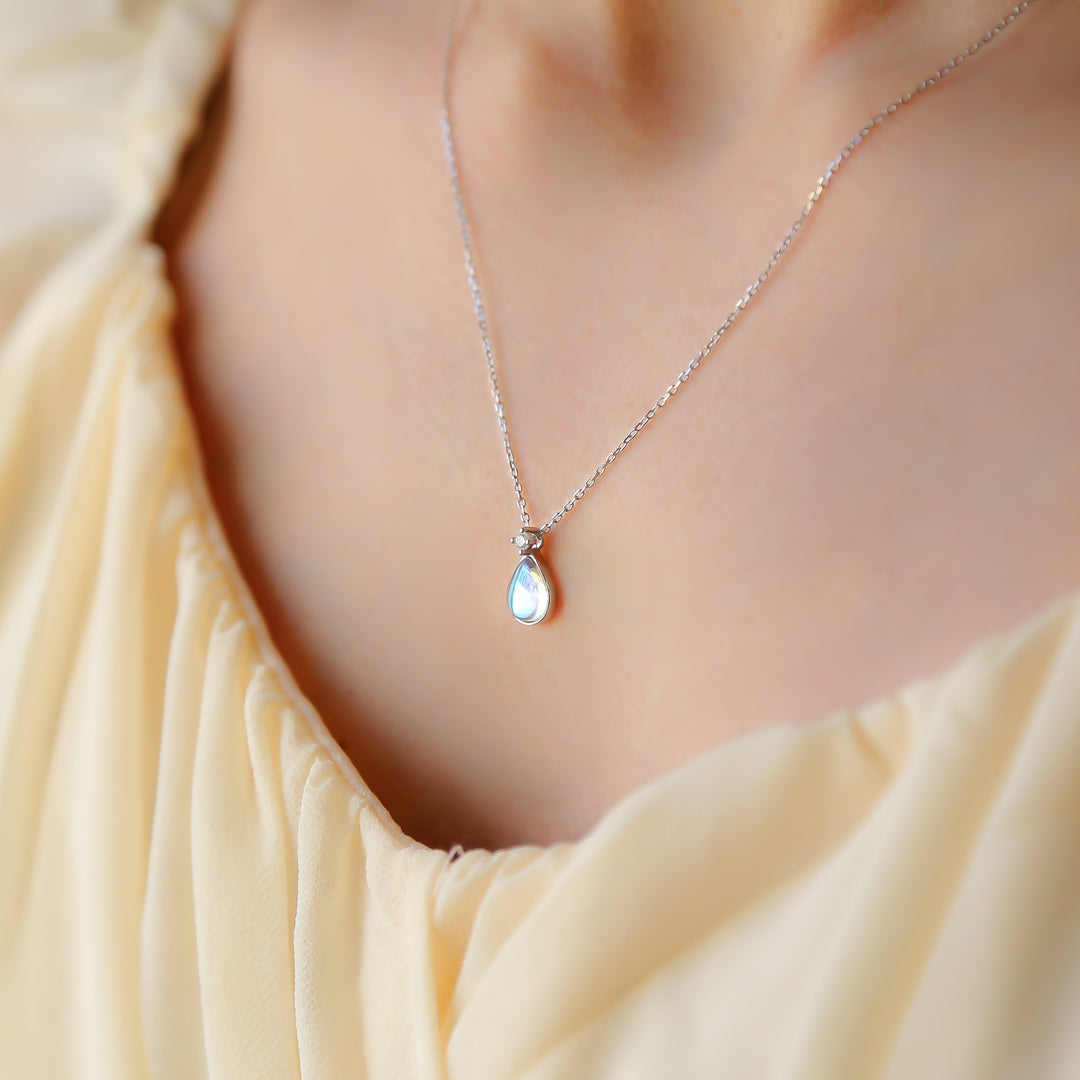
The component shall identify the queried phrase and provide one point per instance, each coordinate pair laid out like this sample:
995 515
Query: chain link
812 200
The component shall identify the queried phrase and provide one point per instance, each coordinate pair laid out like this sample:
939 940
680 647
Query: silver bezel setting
542 570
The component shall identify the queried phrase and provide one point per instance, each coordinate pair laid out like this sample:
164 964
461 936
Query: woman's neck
676 65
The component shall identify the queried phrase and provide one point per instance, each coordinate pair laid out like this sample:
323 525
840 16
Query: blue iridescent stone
531 595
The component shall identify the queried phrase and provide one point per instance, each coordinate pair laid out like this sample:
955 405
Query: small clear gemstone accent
528 540
530 594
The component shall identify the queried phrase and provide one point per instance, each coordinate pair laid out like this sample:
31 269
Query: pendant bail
529 539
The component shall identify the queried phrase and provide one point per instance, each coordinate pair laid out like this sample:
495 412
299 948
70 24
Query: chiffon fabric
196 882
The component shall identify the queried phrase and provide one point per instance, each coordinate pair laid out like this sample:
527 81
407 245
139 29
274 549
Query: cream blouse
195 881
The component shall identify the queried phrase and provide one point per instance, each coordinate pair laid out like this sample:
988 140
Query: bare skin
877 468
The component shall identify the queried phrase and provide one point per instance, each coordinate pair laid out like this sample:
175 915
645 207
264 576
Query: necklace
531 594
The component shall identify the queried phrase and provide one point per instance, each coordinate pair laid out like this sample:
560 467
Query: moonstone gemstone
530 594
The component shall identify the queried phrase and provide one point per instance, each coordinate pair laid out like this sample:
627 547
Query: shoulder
95 101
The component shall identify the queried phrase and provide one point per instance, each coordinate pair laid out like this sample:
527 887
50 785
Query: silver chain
812 200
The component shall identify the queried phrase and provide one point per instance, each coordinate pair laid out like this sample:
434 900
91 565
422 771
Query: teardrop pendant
531 595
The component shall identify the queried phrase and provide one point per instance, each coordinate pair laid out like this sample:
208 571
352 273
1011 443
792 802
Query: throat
651 57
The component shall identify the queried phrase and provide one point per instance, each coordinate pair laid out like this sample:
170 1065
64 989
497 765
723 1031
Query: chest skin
879 464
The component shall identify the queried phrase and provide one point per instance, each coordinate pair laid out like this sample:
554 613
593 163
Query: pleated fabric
195 882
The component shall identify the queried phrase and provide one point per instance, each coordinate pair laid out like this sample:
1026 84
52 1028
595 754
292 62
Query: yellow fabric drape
195 882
